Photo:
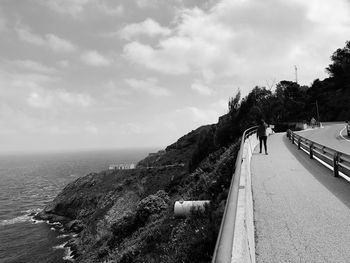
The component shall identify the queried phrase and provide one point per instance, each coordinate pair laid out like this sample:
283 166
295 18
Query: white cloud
134 128
115 90
111 10
203 116
59 44
78 9
201 88
64 63
37 90
71 7
94 58
199 116
148 27
91 128
52 99
26 35
147 3
149 86
32 65
3 22
250 41
162 61
51 41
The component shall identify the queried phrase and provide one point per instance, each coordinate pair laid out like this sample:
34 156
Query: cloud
148 27
114 90
134 128
26 35
47 99
111 10
31 65
203 116
64 63
28 91
94 58
71 7
201 88
162 61
3 22
247 42
197 44
59 44
91 128
77 9
147 3
50 41
149 86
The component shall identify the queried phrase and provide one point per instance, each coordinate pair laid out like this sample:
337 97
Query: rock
42 216
52 217
73 245
75 226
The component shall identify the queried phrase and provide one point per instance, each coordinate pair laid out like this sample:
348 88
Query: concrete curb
244 241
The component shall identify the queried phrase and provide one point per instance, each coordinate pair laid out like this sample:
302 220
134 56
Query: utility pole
296 74
318 115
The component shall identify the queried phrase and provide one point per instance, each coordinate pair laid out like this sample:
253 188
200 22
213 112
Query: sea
30 181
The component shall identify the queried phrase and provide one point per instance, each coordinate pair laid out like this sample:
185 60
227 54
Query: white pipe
184 208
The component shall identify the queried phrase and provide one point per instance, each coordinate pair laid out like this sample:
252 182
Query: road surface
332 136
301 212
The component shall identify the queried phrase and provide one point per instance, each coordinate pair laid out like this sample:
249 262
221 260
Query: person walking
262 135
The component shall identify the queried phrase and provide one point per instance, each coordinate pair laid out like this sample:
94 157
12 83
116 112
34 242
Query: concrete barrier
244 242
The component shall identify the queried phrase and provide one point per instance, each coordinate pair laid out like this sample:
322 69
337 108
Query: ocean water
27 183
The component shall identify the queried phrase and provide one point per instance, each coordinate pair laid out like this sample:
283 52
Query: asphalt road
331 135
301 212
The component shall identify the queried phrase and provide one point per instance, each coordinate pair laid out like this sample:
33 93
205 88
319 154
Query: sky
95 74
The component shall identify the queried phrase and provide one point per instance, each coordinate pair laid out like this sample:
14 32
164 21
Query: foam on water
60 246
27 216
34 221
16 220
68 255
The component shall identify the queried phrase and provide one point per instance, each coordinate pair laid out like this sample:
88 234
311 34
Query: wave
16 220
61 246
68 255
67 251
27 217
34 221
56 224
32 211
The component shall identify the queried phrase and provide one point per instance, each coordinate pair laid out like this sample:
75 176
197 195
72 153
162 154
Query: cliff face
127 215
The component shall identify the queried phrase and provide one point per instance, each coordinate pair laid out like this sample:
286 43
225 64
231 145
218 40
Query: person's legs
260 140
265 147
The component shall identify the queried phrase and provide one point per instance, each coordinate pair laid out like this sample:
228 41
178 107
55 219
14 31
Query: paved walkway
301 212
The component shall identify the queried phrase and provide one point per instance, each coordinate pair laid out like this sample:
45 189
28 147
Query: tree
233 104
340 68
290 101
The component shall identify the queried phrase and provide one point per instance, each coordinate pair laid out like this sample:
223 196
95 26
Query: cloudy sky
82 74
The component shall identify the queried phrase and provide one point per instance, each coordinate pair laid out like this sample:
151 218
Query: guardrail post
299 143
311 150
292 138
336 164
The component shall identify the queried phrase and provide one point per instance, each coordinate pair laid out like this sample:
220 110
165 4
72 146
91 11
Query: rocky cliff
127 215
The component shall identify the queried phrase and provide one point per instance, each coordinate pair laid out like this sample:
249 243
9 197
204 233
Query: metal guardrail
223 249
339 161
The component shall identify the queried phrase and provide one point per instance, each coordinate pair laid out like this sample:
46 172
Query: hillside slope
127 215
